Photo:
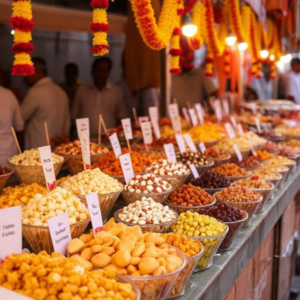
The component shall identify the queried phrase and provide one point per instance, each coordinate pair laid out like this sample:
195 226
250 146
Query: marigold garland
236 20
209 63
198 19
227 62
155 36
21 22
100 27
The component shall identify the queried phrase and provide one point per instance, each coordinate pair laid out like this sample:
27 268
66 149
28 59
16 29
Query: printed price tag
200 112
233 122
251 146
190 142
127 168
114 140
83 125
83 132
170 152
48 168
202 147
95 212
147 133
60 233
194 171
257 123
10 231
218 110
176 123
230 131
240 129
193 117
126 123
143 119
156 129
173 110
153 113
10 295
225 105
186 115
180 143
253 107
237 152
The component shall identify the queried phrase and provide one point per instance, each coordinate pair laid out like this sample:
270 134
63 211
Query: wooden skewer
47 133
188 104
174 100
103 124
16 140
99 131
135 116
128 145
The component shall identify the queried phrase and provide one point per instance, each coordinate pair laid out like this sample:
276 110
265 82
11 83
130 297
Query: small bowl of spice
232 171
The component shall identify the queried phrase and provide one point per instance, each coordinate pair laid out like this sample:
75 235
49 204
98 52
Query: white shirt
263 88
292 85
90 102
9 116
45 102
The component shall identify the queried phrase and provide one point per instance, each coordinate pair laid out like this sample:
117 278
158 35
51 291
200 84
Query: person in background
8 84
100 97
71 83
263 85
10 116
45 102
292 81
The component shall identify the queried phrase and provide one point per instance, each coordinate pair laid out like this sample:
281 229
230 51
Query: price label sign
202 147
193 117
48 168
153 113
240 129
127 168
233 122
180 143
176 123
200 112
95 212
218 110
173 110
10 231
60 232
257 123
251 146
186 115
147 133
83 131
114 140
237 152
194 171
230 131
225 105
156 129
126 124
170 152
6 294
143 119
190 142
83 125
253 107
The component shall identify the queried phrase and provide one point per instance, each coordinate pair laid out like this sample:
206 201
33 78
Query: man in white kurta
44 102
292 81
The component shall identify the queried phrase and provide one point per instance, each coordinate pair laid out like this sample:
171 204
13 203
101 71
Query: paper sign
200 112
48 168
127 168
10 231
194 171
186 114
237 152
114 140
230 130
225 105
147 133
83 125
202 147
60 233
170 152
176 123
126 123
251 146
143 119
156 129
95 212
180 143
6 294
233 122
253 107
240 129
257 123
153 113
193 117
190 142
218 110
173 110
83 132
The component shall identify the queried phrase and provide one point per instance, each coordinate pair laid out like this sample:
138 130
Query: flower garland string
236 20
198 19
21 22
100 27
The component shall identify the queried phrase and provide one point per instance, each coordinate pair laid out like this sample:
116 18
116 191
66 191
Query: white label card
194 171
251 146
186 114
190 142
230 130
176 123
147 133
114 140
253 107
143 119
170 153
83 132
83 125
225 105
237 152
202 147
173 110
180 143
10 231
48 168
60 232
127 168
257 123
6 294
156 129
233 122
193 117
95 212
240 129
218 110
153 113
200 112
126 123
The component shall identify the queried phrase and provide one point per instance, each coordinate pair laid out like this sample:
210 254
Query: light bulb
264 53
230 40
12 32
279 64
242 46
272 57
288 57
189 30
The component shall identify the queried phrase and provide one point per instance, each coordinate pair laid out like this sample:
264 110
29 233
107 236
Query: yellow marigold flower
22 9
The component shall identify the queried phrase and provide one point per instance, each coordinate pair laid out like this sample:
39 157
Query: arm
288 88
18 123
29 106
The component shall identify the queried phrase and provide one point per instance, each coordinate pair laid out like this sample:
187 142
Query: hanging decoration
21 22
198 20
155 36
227 62
209 63
100 27
236 20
